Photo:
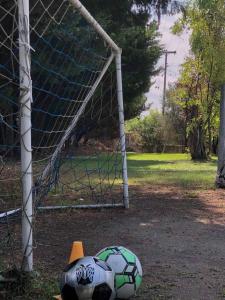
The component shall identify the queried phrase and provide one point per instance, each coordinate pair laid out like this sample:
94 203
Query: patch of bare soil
179 236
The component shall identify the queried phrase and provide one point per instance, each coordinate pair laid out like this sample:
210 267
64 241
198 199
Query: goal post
122 128
25 133
60 80
118 53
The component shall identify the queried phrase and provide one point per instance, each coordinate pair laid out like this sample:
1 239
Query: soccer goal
62 139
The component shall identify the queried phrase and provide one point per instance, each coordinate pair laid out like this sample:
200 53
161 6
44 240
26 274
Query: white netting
75 126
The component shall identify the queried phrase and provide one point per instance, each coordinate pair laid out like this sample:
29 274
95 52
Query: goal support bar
88 17
117 54
75 120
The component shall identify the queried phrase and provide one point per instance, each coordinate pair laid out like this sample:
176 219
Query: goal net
62 140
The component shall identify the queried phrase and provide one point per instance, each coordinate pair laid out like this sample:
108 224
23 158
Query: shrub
155 131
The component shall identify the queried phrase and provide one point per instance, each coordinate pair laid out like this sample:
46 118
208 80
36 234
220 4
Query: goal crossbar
88 17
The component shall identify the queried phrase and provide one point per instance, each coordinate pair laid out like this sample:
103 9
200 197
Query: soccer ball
88 278
127 268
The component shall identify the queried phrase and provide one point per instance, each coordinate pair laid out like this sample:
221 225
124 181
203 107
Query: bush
155 131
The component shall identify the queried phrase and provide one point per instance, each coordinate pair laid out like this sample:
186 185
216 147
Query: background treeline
192 107
126 21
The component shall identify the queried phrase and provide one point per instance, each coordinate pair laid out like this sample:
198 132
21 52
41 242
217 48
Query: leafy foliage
155 130
126 22
203 73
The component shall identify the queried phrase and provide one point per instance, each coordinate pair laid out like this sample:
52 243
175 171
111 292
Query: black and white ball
88 278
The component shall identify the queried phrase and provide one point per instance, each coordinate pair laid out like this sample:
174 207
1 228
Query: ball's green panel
138 281
120 280
129 256
105 254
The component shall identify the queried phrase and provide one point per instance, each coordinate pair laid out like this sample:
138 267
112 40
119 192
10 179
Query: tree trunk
220 178
210 136
197 142
215 145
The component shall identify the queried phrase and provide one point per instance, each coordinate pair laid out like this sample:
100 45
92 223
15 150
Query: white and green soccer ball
127 269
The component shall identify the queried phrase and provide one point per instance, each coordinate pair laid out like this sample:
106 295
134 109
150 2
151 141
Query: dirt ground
179 236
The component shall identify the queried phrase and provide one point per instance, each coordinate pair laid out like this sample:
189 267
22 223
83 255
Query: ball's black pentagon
70 266
68 293
102 291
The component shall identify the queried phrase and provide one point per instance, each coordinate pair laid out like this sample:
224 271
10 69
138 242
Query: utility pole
165 78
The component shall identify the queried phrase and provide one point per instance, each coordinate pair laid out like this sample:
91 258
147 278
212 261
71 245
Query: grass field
171 169
148 168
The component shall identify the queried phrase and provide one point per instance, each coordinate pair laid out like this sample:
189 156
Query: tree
205 19
126 22
177 112
196 106
155 131
220 178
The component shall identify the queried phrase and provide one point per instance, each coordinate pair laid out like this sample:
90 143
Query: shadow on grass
182 173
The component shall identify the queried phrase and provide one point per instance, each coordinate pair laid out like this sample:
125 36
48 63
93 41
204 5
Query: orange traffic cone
77 252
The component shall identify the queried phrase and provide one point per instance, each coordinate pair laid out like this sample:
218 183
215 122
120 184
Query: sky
171 43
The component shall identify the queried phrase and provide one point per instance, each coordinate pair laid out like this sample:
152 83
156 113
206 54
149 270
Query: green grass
99 173
146 168
171 169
